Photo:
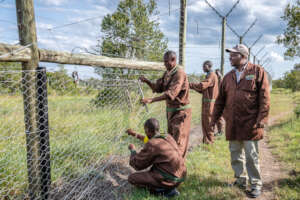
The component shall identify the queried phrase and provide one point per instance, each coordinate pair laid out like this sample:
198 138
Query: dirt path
270 167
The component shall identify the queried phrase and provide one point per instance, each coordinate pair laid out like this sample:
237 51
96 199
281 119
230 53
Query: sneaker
168 193
237 184
253 193
172 193
218 134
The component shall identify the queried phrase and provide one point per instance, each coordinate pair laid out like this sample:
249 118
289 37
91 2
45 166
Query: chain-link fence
73 144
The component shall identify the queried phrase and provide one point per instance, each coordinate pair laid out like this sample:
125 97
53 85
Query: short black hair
170 54
152 124
209 63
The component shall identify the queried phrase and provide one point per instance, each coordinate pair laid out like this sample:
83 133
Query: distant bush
110 97
297 111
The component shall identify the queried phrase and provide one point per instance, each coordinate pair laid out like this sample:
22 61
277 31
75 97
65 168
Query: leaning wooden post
27 36
182 32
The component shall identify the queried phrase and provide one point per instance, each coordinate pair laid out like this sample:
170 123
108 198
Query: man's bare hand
131 147
143 79
130 132
146 100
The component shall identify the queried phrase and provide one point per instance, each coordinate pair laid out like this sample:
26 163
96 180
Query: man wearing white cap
244 102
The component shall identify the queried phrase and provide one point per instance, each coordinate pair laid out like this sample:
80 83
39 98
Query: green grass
82 137
284 140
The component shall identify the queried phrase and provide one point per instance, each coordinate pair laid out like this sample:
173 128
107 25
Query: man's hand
146 100
258 125
143 79
130 132
131 147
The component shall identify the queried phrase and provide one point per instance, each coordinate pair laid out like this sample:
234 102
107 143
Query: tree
291 36
131 32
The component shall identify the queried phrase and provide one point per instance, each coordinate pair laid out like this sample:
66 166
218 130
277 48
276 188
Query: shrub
297 111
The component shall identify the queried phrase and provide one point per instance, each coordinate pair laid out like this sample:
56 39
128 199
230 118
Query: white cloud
44 26
198 6
54 2
276 57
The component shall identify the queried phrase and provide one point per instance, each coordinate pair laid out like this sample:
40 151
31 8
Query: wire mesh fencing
72 144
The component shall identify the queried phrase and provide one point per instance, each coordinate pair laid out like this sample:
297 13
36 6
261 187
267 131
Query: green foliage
291 80
10 78
131 32
291 36
109 97
297 111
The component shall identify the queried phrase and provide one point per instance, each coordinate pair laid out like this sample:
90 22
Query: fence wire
78 146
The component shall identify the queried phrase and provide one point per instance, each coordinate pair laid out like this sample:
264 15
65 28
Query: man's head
170 59
151 127
207 65
238 55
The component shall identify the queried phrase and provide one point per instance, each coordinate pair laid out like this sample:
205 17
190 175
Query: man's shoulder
229 75
180 71
255 67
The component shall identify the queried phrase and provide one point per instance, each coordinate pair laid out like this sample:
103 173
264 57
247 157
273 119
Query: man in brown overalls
244 101
175 88
162 154
220 122
209 89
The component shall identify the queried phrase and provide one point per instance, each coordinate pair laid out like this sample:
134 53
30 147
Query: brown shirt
244 104
209 87
162 153
175 85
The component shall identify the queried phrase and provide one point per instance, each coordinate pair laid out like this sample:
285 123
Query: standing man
244 101
175 88
162 154
220 122
210 89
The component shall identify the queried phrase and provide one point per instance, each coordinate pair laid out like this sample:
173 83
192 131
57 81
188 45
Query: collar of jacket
246 67
208 73
173 71
243 68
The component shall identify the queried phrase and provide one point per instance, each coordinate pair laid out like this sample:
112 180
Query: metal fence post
43 128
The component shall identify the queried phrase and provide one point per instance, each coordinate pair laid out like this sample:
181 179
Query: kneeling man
162 154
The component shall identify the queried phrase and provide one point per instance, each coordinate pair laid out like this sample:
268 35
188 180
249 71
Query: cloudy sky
57 28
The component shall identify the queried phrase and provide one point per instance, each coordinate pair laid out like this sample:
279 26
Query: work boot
253 193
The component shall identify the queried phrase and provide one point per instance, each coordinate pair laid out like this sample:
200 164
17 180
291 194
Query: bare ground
271 169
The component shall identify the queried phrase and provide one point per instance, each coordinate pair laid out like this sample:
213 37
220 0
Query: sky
71 25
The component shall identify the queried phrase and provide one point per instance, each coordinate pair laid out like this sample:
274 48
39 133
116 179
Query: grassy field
82 136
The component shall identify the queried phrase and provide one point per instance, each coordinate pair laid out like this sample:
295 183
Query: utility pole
182 32
224 19
38 184
241 37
